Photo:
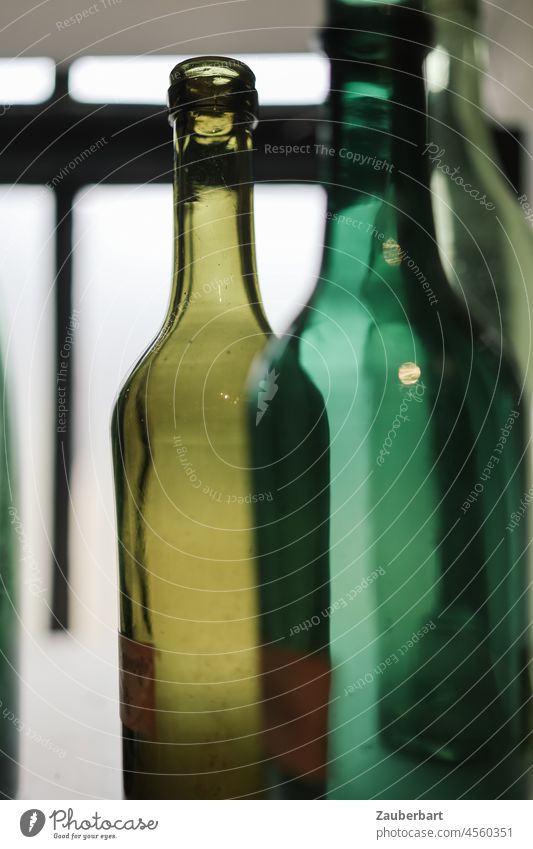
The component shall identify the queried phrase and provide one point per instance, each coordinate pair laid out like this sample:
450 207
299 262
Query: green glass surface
9 689
188 611
484 234
417 614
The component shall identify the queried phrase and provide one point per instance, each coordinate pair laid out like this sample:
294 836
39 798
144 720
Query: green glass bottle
188 618
420 626
484 236
9 619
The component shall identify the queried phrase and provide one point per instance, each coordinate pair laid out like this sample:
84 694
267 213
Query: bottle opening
213 84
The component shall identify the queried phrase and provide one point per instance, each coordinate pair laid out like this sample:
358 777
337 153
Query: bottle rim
218 83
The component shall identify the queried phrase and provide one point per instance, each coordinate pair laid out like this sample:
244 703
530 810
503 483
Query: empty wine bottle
188 616
422 636
484 237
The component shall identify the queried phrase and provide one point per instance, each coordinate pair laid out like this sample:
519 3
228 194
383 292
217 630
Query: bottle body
433 635
423 616
188 613
290 458
426 624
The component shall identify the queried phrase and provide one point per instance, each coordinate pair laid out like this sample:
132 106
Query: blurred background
85 262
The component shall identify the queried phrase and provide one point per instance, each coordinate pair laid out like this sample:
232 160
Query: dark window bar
135 146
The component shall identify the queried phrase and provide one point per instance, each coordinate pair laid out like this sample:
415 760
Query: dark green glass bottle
417 618
9 690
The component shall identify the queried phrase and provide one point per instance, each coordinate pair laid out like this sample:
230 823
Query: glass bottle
484 234
422 639
188 620
484 237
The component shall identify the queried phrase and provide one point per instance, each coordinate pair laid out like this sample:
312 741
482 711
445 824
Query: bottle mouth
212 84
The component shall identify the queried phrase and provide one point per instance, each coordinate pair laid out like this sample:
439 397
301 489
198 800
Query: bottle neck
466 55
214 250
378 133
376 172
454 74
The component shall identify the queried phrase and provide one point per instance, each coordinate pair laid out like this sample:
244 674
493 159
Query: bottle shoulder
335 347
191 371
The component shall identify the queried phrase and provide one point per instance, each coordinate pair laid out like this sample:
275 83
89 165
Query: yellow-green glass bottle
188 624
